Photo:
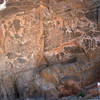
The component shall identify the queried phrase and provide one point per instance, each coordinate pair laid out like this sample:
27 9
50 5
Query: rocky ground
67 98
49 49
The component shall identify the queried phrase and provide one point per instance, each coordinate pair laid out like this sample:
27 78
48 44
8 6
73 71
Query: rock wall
44 41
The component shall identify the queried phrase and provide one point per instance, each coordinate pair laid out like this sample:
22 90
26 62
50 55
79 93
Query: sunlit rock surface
43 42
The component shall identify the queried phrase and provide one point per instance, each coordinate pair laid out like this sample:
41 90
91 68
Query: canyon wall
43 42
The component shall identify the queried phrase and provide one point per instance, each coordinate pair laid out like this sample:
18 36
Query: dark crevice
98 11
70 61
17 95
97 15
73 60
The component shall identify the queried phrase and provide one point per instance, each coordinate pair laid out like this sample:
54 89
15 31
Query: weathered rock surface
43 42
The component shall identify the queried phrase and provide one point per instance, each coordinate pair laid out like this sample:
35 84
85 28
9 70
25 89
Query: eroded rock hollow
48 48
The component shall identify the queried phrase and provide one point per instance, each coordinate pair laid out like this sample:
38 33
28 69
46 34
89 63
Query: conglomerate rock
43 42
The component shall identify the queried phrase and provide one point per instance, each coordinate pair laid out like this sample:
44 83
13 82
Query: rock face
47 45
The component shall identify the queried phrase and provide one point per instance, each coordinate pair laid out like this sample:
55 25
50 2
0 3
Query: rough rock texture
45 44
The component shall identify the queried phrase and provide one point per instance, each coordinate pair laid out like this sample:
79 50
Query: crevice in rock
17 95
